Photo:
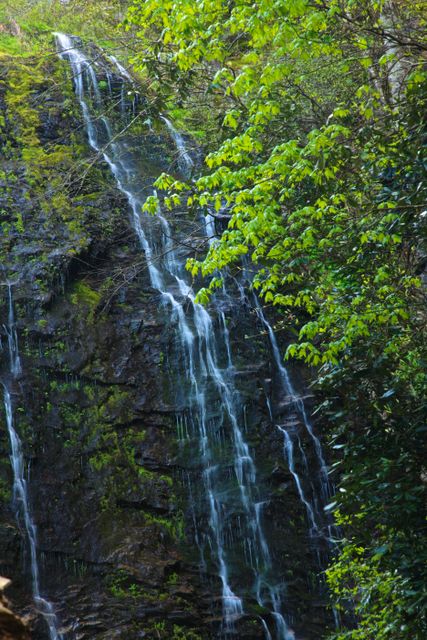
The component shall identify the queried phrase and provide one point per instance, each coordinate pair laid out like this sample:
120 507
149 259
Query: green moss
90 424
101 460
5 491
123 585
161 630
172 579
9 45
40 170
82 293
167 479
180 633
174 525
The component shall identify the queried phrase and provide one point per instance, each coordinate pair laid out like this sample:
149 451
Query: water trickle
20 487
289 449
290 435
185 161
120 68
209 222
266 630
12 338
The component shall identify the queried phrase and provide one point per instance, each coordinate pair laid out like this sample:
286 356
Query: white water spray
185 161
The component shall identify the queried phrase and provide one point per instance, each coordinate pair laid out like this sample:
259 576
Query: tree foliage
26 27
319 110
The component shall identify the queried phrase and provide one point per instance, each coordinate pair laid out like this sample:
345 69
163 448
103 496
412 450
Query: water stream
298 413
212 419
20 489
185 161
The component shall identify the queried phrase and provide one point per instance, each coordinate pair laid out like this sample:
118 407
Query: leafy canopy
319 113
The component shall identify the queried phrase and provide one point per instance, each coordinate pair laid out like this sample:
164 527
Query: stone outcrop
11 626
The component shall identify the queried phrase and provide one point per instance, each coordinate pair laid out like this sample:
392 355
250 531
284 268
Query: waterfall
120 68
209 225
12 338
289 448
214 422
185 161
288 390
20 489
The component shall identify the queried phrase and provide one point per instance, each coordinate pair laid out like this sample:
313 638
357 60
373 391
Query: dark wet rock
12 627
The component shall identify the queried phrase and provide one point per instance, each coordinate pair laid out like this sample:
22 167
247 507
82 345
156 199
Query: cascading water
212 416
296 414
12 338
20 489
185 161
120 68
296 402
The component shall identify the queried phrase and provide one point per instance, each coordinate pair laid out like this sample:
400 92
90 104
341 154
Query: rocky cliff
94 406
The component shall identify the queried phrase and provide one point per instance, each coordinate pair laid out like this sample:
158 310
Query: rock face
11 626
95 403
